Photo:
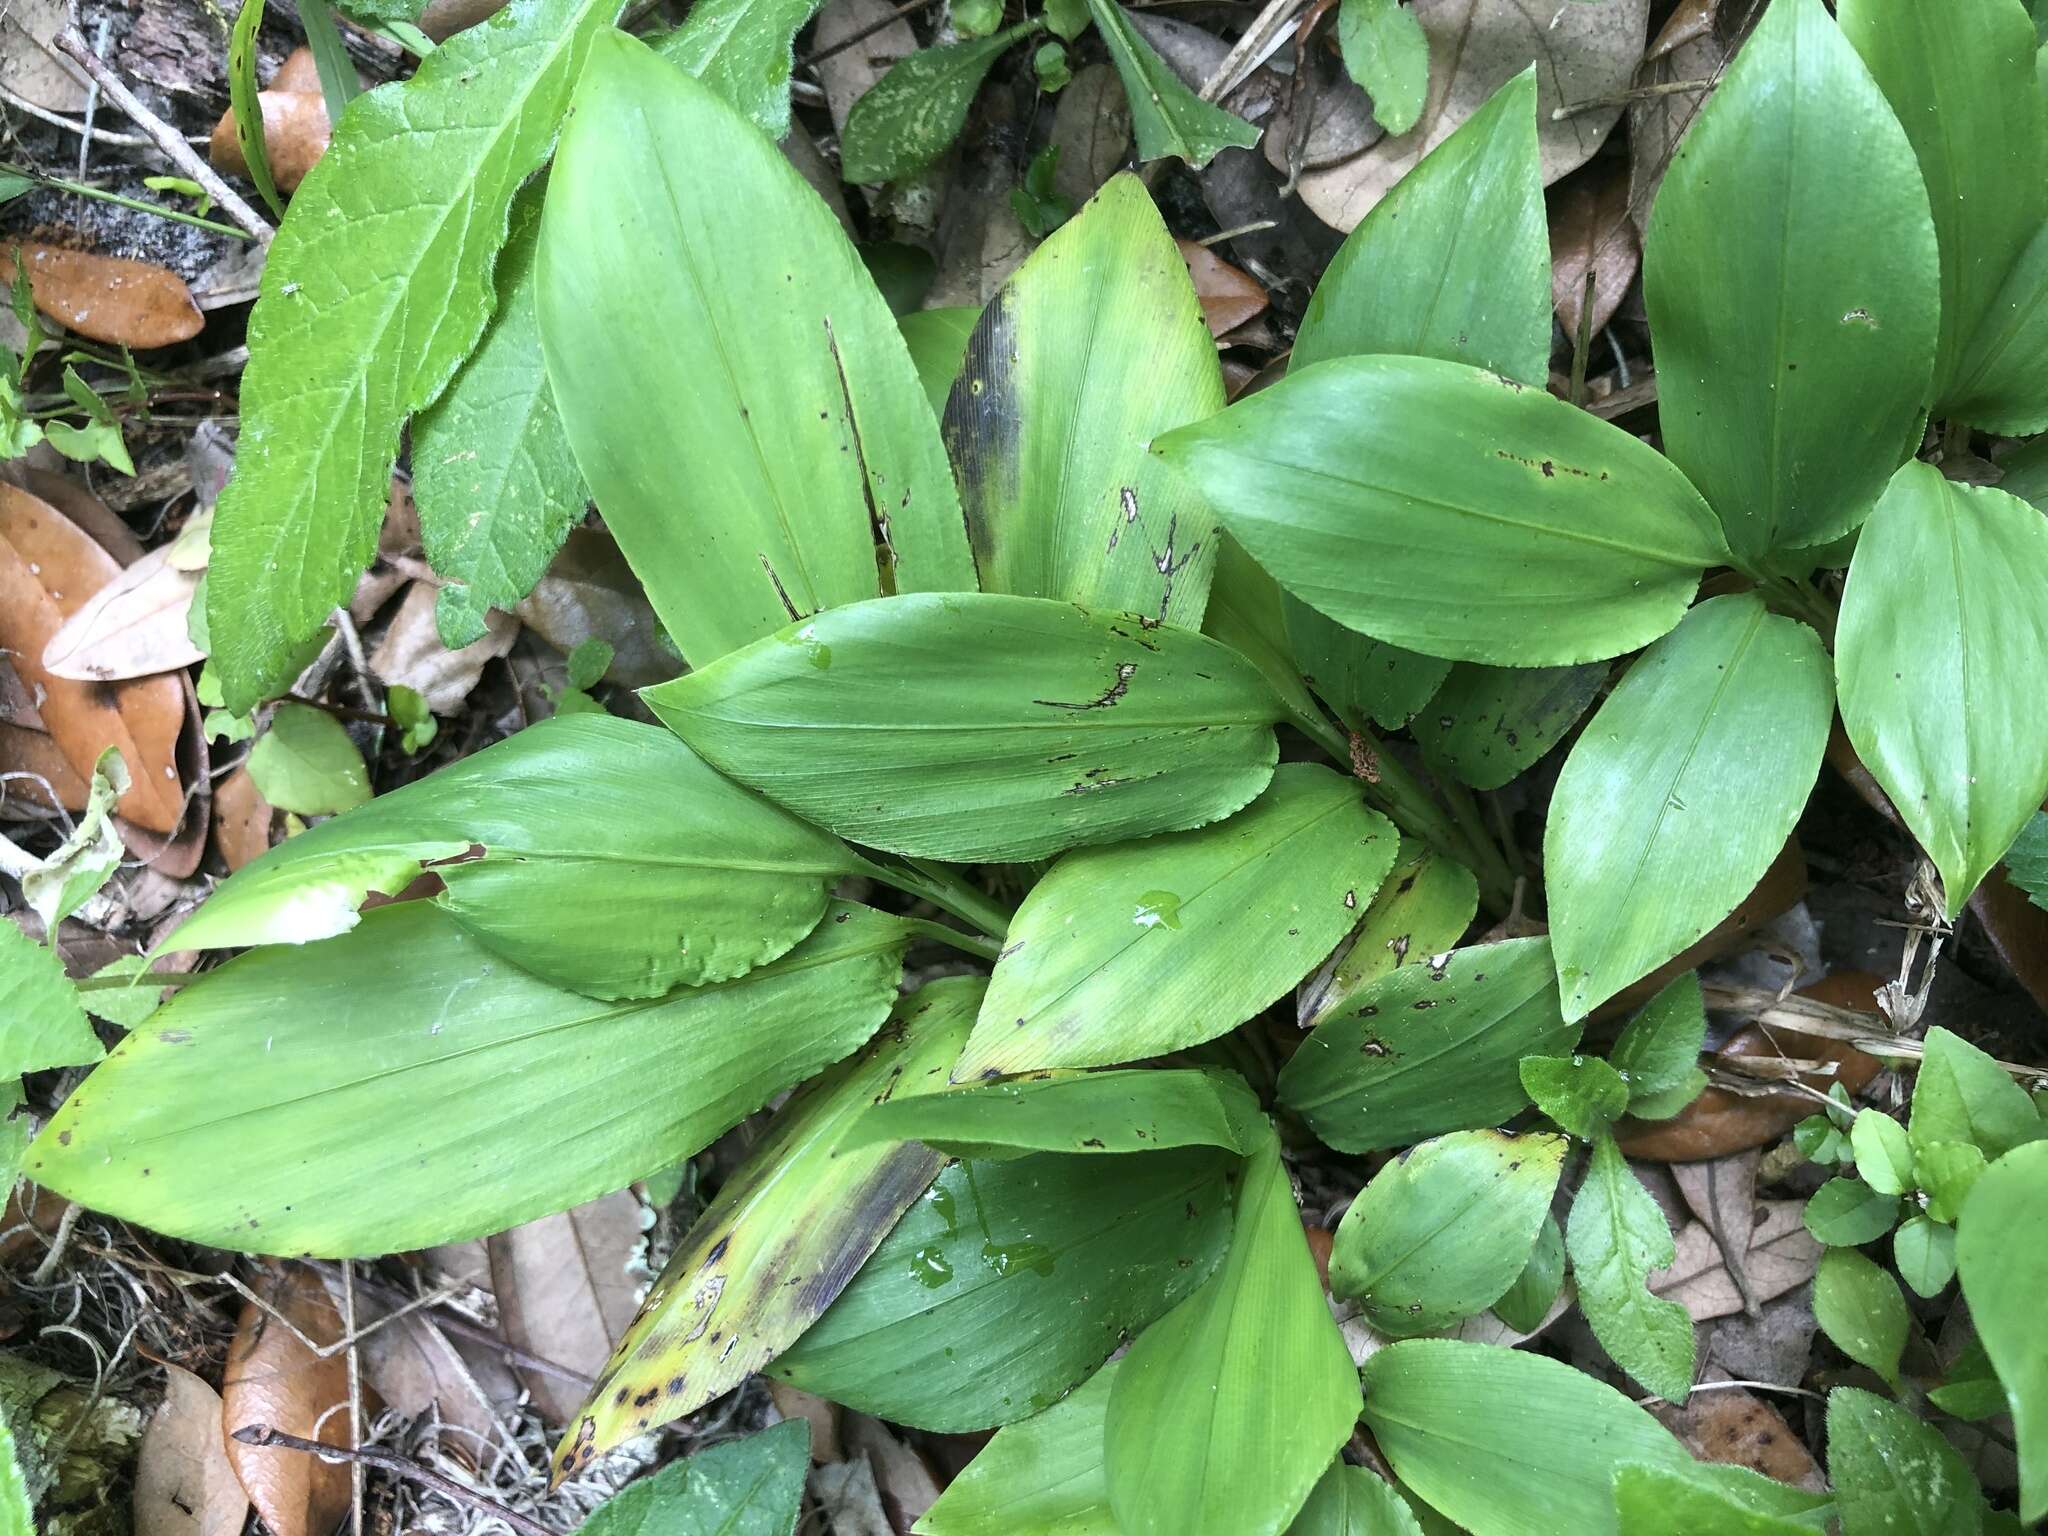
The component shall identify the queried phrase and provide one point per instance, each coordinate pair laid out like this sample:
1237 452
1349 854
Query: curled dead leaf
35 776
1229 296
2018 931
94 517
1736 1428
1591 233
274 1378
177 855
135 626
590 593
411 653
107 298
242 820
296 130
184 1483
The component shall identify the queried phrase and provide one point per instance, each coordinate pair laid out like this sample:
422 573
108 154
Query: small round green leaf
1582 1094
1884 1157
1844 1213
1925 1253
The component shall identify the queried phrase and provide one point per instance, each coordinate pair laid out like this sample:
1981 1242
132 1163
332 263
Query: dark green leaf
1895 1476
2002 383
1665 1501
1421 909
912 115
1168 118
749 1487
937 339
1971 1389
1845 1212
1859 1308
1617 1236
2026 862
1487 725
743 50
1659 1049
1947 1171
45 1027
242 101
1527 1302
1361 679
1351 1501
1582 1094
2001 1254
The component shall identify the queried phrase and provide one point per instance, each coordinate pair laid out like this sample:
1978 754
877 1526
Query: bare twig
1256 226
1638 93
454 1323
263 1437
355 1397
168 139
908 8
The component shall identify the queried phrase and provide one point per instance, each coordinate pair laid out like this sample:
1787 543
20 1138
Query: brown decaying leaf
273 1378
29 66
1693 45
442 19
242 820
184 1483
589 593
411 653
1737 1428
902 1480
1590 231
295 126
414 1367
1091 127
106 298
850 72
1229 296
17 706
30 1223
820 1413
846 1494
2018 930
176 856
48 568
1781 1256
564 1294
137 625
1340 120
32 752
93 516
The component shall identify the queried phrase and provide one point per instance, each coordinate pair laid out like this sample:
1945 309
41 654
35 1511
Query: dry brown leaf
1591 232
137 625
48 568
1736 1428
184 1483
444 18
1091 127
76 501
801 151
591 593
242 820
1229 296
846 1495
564 1294
1340 120
2018 930
107 298
1781 1256
1692 46
17 706
296 130
178 855
36 758
847 74
29 66
30 1222
273 1378
411 653
822 1414
902 1479
414 1367
1721 1193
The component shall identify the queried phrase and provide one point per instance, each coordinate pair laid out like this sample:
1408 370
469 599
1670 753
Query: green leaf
1360 678
599 853
1454 262
1506 1443
1884 1157
1167 117
1138 949
100 436
2002 382
912 115
1525 1304
306 763
1387 52
1245 613
1820 1142
1947 1171
1924 1252
1846 1212
747 1487
1488 725
1859 1308
588 663
1583 1094
68 878
1962 1094
736 391
1970 1389
1617 1236
1421 909
2026 861
1941 627
1451 512
1094 346
1442 1231
416 724
1011 1281
1680 792
41 1023
1040 1476
1794 353
937 339
248 111
125 1007
977 727
17 1510
1665 1501
743 49
1228 1409
1081 1113
1893 1475
1658 1050
325 1077
1960 76
1429 1048
375 290
1351 1501
786 1233
2001 1253
493 478
1049 63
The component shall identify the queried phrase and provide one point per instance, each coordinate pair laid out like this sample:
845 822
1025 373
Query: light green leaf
1681 790
736 391
1451 512
937 339
2026 861
375 290
1845 1212
1884 1157
1442 1231
1960 76
1947 1171
305 763
1859 1308
341 1061
1040 1476
912 115
1944 621
1970 1388
243 102
100 435
1962 1094
1582 1094
1525 1304
1488 725
1245 613
1794 353
1167 117
1082 1113
599 853
1138 949
125 1007
41 1023
1658 1050
1386 51
1454 262
1351 1501
493 477
1506 1443
68 878
786 1233
1711 1501
743 49
1093 347
1010 1282
2001 1253
17 1511
1924 1252
2002 382
1228 1409
1420 911
1361 679
1616 1236
974 726
1429 1048
416 724
1895 1476
748 1487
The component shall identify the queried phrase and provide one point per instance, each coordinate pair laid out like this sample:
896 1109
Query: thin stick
263 1437
355 1397
168 139
1255 227
1623 98
908 8
452 1322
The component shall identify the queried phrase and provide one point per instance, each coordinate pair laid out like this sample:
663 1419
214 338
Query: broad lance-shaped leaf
748 1487
1422 908
1665 1501
1862 1311
1245 612
744 50
1942 644
1680 791
1488 725
375 290
786 1233
978 727
493 478
1453 512
1093 347
912 115
44 1025
2001 1253
938 339
2002 382
599 853
1228 1409
325 1076
1616 1236
1429 1048
1167 117
736 391
1040 1476
1443 1230
1360 678
1010 1282
1138 949
1794 351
